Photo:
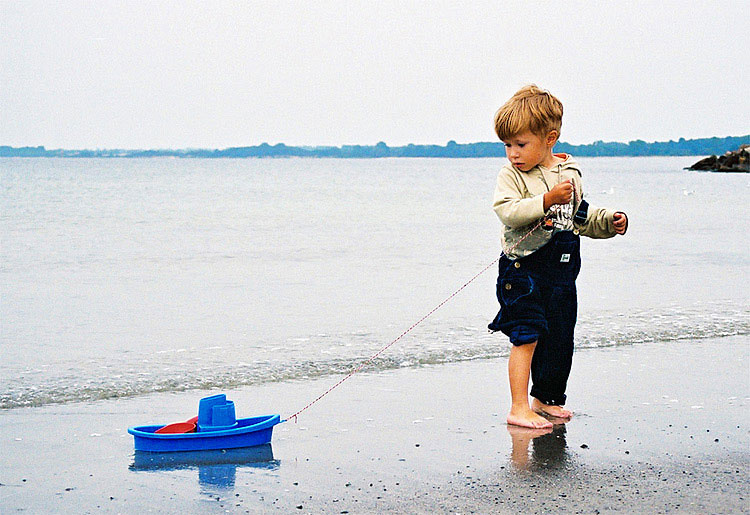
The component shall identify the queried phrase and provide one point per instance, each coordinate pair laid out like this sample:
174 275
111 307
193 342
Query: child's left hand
620 222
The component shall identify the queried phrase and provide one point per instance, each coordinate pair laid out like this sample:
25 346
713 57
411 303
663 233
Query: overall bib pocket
564 252
565 257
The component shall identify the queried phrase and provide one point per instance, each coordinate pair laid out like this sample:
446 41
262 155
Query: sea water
121 277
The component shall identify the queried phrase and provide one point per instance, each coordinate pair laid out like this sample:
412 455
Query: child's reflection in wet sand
549 449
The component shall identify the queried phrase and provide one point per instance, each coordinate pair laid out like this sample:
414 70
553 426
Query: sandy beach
658 428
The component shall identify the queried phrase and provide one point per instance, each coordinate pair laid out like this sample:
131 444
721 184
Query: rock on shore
736 161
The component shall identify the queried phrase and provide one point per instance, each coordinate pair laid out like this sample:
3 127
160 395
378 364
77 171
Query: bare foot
527 418
551 410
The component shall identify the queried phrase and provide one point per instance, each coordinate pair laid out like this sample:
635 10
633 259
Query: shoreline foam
93 381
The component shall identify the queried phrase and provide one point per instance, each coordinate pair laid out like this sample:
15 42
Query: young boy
539 200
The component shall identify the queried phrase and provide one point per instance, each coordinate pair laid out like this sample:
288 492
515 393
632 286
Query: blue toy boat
216 428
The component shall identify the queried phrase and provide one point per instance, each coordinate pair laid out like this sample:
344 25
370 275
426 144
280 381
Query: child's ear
552 137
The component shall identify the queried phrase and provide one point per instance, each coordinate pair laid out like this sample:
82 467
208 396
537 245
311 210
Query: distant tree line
682 147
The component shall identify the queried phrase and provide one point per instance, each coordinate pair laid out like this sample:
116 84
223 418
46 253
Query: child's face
526 150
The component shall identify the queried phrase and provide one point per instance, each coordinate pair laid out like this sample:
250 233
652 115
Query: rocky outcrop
736 161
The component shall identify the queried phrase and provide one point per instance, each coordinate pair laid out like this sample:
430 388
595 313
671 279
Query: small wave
449 345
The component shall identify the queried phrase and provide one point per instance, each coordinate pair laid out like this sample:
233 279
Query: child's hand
620 222
561 194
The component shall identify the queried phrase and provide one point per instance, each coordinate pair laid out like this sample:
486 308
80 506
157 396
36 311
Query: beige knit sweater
519 203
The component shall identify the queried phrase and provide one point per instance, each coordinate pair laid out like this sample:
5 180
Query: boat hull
249 432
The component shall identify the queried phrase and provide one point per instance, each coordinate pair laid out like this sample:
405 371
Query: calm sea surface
123 277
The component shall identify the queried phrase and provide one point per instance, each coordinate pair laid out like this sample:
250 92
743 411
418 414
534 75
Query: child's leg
519 366
550 369
553 357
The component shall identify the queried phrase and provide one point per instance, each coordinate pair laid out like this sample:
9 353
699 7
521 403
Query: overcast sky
106 74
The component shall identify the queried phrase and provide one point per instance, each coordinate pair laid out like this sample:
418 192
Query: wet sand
659 427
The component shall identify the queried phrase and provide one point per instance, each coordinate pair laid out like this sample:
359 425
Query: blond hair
529 109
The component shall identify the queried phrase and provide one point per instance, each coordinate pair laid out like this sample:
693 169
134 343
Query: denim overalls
538 303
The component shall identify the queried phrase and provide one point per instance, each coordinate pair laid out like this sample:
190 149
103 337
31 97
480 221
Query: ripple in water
427 345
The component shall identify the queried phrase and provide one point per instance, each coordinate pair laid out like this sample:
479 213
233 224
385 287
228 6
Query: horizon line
379 143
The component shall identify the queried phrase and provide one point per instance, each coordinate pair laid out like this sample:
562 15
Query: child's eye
522 145
507 145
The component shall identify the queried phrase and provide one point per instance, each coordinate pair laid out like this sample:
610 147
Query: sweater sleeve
513 210
599 223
